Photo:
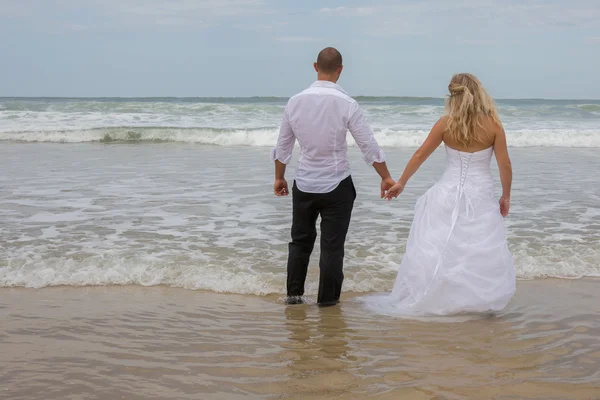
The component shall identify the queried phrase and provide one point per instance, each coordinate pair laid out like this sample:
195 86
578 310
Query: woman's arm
505 169
432 142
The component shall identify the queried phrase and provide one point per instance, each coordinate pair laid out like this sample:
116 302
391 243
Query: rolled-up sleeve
363 136
285 143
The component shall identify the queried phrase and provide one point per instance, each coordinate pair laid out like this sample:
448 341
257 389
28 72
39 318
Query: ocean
178 192
150 228
397 121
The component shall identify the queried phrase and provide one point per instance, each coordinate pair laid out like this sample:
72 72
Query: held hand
280 188
504 205
386 184
394 191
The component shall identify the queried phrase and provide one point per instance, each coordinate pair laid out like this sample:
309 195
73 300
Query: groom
319 118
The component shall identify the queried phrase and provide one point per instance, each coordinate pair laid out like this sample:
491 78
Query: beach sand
134 342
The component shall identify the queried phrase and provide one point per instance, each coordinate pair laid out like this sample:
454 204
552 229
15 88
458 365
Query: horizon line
281 97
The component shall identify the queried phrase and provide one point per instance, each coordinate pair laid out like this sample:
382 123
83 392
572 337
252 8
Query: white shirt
320 118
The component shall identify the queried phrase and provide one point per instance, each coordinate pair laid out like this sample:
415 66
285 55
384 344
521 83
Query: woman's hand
394 191
504 205
386 184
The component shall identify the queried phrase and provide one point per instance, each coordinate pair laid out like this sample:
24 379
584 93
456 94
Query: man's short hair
329 60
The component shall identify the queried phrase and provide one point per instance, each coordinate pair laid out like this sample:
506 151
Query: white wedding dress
457 259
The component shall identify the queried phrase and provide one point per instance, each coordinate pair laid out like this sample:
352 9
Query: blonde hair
465 108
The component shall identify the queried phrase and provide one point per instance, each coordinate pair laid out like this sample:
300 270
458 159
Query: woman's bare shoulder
491 125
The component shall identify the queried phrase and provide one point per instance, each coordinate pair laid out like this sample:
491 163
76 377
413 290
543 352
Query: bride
457 259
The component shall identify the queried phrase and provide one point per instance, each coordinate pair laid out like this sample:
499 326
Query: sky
204 48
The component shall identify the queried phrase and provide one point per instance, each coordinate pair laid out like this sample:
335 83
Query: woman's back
484 137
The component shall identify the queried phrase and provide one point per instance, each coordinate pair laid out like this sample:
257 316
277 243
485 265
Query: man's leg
304 233
336 211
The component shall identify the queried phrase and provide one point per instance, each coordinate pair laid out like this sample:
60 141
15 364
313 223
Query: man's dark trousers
335 209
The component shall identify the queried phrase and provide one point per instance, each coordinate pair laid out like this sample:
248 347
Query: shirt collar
328 84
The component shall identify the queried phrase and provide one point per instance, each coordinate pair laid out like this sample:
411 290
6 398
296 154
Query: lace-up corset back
469 171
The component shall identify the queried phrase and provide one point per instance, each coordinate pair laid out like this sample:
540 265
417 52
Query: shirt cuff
374 157
277 154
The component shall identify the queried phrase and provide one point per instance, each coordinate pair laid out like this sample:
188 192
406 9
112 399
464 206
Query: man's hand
280 188
394 191
386 184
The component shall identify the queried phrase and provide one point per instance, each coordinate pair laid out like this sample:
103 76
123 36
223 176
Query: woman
457 259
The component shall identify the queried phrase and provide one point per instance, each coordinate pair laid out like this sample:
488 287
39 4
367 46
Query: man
319 118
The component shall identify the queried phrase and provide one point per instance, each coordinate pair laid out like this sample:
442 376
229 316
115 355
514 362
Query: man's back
319 118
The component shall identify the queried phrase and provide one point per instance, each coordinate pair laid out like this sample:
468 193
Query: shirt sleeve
285 142
363 136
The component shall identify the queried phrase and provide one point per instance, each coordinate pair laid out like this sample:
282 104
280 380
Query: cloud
466 19
567 14
17 8
479 42
337 10
392 18
183 14
349 11
75 27
124 14
269 26
297 39
186 9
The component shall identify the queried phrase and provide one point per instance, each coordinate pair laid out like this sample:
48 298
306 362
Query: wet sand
164 343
